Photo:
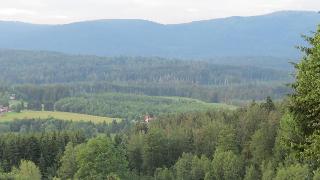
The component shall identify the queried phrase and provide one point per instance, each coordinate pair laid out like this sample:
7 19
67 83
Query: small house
4 109
12 97
148 118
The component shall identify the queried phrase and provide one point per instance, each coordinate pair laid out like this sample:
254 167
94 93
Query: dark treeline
42 149
48 95
43 141
88 129
4 97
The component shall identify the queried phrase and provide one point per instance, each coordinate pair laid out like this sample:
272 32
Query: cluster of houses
4 109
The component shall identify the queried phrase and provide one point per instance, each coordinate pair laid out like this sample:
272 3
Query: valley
130 99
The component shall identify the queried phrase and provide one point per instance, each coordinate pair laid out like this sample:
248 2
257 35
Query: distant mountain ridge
274 34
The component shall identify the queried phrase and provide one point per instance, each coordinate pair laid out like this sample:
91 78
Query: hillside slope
273 34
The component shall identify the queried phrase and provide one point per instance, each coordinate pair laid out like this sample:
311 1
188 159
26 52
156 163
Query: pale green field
56 115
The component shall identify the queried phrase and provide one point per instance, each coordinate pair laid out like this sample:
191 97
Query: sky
162 11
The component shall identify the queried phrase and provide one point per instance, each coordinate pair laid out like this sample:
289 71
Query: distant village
5 109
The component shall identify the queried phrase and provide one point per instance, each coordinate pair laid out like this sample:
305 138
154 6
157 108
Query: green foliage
100 158
250 119
316 175
4 101
69 166
17 108
251 173
191 167
261 145
206 138
200 166
293 172
135 152
305 100
131 106
26 171
268 105
311 153
288 139
174 146
113 177
227 140
227 165
89 129
183 167
268 172
188 140
4 97
154 150
27 68
305 104
66 75
169 137
163 174
43 149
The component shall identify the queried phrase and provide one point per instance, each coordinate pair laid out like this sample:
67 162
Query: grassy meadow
56 115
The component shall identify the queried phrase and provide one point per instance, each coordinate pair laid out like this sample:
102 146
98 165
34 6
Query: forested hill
152 76
21 67
273 34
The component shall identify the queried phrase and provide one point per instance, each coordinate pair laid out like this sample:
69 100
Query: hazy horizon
164 11
101 19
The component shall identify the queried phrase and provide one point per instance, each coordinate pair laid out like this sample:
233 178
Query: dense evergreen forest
19 67
150 76
131 106
146 149
264 140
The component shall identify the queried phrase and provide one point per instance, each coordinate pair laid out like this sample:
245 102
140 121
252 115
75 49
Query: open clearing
56 115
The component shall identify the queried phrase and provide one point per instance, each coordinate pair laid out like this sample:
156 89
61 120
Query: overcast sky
163 11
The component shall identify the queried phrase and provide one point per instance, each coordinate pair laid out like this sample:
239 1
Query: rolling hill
67 75
133 106
273 34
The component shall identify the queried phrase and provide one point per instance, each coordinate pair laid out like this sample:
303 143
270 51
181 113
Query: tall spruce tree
305 100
